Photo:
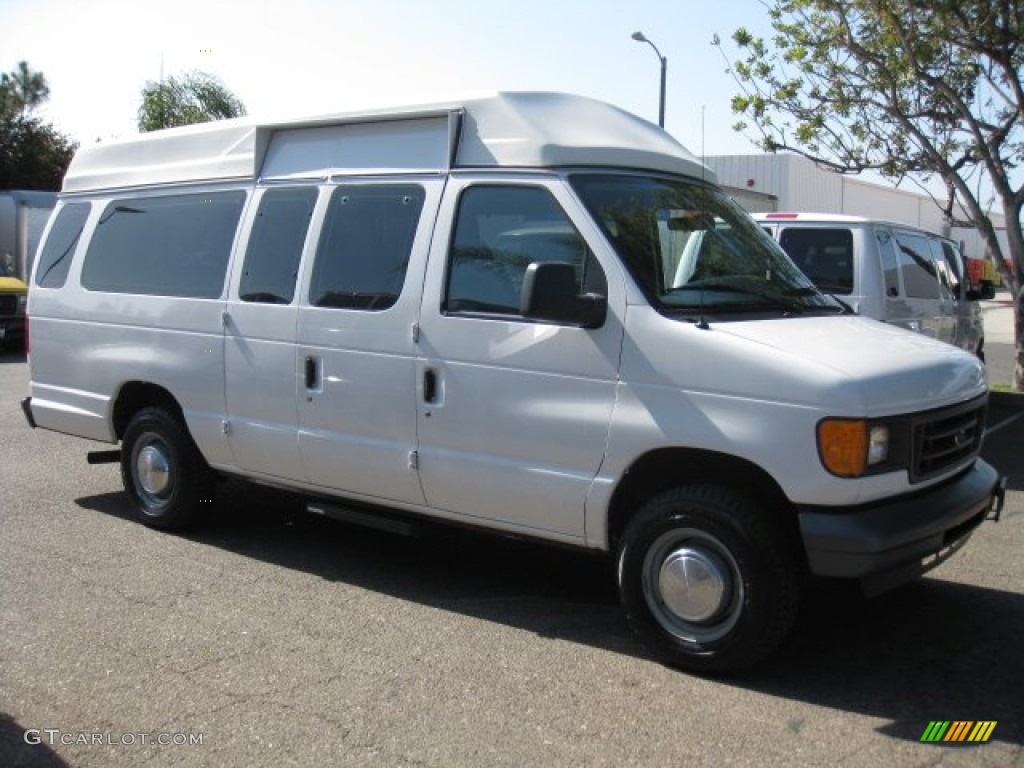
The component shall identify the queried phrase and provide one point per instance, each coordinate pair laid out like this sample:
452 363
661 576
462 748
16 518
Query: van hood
895 369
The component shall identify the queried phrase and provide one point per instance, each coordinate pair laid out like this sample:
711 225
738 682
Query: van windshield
693 250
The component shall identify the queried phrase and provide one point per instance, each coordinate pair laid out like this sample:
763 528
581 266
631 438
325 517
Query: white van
474 312
895 273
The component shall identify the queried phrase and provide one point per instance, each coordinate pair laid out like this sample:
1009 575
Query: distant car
13 299
895 273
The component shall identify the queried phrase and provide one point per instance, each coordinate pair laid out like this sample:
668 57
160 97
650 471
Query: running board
103 457
380 522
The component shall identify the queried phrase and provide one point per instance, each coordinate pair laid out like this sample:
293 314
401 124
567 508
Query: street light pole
641 38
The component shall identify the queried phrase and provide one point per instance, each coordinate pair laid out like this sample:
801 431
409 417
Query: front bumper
888 543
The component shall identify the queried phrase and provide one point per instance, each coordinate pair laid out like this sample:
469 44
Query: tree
33 154
910 88
195 97
22 90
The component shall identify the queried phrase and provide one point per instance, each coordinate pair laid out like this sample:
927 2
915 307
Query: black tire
708 580
163 472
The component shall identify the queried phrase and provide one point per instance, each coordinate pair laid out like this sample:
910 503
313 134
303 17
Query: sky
289 58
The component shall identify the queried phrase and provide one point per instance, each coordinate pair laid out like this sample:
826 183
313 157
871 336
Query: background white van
895 273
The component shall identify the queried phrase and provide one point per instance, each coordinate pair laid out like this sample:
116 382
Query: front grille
8 304
946 438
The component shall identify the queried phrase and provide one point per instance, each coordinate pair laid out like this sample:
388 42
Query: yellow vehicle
13 298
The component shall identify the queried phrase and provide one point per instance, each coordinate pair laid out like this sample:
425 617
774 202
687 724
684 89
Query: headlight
852 447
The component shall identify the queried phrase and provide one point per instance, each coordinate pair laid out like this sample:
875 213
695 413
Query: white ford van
895 273
531 313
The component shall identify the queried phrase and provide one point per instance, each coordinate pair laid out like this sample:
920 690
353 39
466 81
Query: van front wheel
708 579
163 472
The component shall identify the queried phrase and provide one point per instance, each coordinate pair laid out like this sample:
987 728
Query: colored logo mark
959 730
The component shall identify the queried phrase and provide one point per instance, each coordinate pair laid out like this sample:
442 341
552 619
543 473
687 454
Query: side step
103 457
381 521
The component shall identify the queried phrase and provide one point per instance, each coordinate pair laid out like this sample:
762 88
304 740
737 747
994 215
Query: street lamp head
639 37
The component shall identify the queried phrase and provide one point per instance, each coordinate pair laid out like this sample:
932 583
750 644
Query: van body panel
517 428
363 356
802 377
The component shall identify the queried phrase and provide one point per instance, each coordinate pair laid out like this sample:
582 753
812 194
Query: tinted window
499 232
164 246
954 262
365 246
919 276
824 255
890 263
275 245
55 260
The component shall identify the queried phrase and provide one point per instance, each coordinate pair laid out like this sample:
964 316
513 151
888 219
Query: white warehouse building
788 182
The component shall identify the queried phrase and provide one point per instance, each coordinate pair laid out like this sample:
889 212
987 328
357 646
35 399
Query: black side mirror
549 293
984 292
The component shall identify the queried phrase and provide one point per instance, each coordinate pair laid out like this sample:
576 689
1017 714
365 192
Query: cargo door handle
429 385
311 372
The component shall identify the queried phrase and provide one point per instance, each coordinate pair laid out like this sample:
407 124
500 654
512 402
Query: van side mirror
984 292
549 293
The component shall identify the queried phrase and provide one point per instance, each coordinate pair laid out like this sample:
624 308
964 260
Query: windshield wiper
789 306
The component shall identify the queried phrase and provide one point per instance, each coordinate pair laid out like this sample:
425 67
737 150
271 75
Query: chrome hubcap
153 469
694 584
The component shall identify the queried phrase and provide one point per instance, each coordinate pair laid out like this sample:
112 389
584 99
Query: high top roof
509 130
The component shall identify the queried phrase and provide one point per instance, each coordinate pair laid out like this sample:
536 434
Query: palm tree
195 97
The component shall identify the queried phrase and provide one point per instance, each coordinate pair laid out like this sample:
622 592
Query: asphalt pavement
270 637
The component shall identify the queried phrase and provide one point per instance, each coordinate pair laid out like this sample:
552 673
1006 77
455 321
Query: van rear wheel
163 472
708 579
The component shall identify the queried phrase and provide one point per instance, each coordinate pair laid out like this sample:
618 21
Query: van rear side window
275 246
365 246
164 246
55 259
824 255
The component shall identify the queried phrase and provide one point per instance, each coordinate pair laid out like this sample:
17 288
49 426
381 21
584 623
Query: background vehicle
23 215
891 272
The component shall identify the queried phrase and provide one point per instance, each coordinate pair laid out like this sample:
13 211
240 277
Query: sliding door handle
311 372
429 385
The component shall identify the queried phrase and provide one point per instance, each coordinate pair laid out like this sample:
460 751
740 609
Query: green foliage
195 97
910 88
22 90
33 155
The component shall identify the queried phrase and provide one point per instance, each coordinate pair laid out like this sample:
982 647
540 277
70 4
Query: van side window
275 245
55 259
365 246
956 267
499 232
890 264
920 278
164 246
824 255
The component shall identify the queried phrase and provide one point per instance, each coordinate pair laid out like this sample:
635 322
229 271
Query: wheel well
669 468
135 395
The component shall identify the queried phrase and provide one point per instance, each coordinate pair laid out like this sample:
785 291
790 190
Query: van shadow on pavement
931 650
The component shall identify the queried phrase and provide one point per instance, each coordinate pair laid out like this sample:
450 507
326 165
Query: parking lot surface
276 638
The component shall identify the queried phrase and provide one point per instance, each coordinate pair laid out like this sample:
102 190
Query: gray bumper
894 541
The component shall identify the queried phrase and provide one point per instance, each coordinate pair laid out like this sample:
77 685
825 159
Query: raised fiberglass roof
514 130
